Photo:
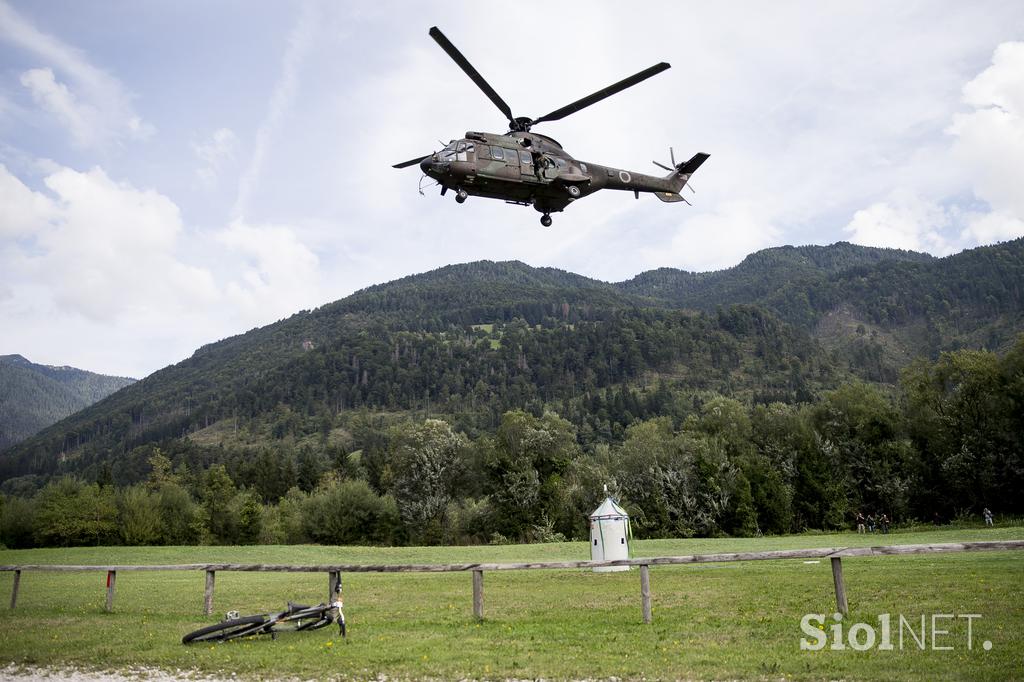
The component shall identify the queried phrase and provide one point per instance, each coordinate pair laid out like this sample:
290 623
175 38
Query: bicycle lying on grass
295 618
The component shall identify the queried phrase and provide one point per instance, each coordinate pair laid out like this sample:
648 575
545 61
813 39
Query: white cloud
22 211
987 156
992 227
905 221
990 140
54 97
112 249
107 258
720 239
97 109
215 154
280 275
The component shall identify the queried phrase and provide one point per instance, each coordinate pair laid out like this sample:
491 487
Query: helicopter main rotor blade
602 94
410 162
474 75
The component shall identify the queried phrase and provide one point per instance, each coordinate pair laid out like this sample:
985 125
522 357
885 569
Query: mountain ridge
533 334
34 396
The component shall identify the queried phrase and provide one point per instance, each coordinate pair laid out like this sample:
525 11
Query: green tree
426 461
350 513
964 417
525 464
17 523
247 509
70 513
182 521
160 470
138 516
218 491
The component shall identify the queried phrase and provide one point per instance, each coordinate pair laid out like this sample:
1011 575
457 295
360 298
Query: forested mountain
472 344
33 396
761 275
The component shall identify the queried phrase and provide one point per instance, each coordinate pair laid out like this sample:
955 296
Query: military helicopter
529 169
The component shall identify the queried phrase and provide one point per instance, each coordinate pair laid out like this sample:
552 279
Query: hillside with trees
493 400
34 396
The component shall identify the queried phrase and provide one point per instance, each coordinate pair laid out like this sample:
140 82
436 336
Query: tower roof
609 510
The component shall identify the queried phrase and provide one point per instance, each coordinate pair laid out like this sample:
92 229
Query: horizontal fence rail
334 571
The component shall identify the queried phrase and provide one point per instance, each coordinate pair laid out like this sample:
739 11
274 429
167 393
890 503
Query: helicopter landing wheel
460 196
545 220
574 191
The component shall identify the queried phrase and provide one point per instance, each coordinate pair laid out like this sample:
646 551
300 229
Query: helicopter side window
583 167
525 158
511 157
561 163
497 153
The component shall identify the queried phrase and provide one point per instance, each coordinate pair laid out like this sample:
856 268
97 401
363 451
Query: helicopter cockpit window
461 151
561 163
448 151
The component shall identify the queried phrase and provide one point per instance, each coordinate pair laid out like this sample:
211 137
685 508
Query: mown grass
738 620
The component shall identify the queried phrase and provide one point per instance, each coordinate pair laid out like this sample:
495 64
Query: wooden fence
334 571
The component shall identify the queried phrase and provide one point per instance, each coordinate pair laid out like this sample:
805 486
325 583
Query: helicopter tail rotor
679 175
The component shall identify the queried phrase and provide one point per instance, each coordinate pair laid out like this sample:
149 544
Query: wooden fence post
333 585
111 582
837 578
478 594
14 589
645 592
208 594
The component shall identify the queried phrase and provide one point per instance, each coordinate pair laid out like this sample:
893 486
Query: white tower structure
609 535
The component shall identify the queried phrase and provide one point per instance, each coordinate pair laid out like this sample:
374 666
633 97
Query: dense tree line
949 442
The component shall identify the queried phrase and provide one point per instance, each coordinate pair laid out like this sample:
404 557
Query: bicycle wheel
229 629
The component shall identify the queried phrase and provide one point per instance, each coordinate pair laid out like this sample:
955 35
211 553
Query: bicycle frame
295 618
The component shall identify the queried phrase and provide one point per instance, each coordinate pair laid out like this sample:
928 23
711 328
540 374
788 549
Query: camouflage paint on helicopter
526 168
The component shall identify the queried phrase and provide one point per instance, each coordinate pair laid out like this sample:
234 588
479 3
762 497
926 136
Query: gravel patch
28 673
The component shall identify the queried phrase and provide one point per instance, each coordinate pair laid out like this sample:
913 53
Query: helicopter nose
426 163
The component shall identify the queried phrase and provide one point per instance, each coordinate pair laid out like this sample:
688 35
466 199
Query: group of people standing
872 523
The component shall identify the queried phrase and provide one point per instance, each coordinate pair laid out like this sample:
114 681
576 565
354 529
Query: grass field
721 621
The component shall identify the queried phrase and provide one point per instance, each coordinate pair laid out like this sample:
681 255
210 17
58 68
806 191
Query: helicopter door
510 167
526 165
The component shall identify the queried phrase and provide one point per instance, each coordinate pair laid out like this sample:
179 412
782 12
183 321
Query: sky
175 173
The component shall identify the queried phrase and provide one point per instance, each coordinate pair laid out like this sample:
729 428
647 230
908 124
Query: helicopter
530 169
